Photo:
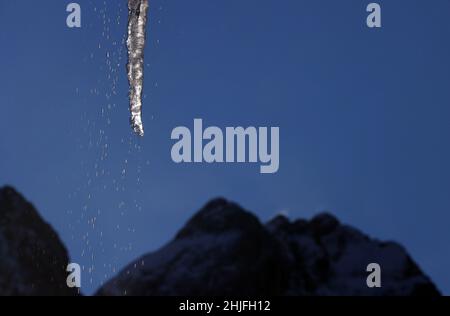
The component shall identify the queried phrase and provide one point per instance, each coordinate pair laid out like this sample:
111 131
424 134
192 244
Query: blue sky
363 117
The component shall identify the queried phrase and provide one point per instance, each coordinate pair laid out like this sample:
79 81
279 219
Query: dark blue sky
363 117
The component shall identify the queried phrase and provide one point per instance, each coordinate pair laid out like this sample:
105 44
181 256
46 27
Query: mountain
33 259
225 250
222 250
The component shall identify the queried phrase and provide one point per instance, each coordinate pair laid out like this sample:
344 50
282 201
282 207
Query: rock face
224 250
32 257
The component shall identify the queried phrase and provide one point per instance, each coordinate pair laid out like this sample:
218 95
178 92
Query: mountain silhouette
33 260
222 250
225 250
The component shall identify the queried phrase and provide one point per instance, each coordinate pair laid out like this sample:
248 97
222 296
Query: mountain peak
219 216
225 250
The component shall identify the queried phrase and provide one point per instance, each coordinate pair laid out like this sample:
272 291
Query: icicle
137 21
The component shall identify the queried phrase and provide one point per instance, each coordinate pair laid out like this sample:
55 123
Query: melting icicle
137 20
